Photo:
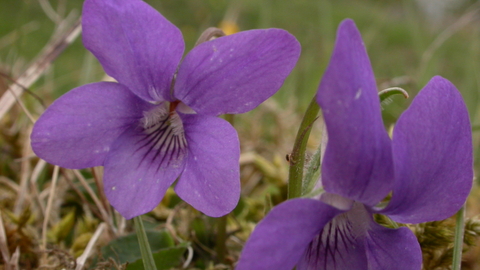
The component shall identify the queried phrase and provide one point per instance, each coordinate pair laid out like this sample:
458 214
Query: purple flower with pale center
427 166
160 121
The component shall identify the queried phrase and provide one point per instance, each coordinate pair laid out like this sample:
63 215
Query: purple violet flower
428 166
159 122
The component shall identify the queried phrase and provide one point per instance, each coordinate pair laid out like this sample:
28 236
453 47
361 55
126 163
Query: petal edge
432 149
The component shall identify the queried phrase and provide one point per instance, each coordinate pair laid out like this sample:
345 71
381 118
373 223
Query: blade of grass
458 244
147 256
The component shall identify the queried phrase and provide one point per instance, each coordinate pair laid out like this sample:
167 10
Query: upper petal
77 130
234 74
357 162
280 239
210 181
134 43
432 149
140 167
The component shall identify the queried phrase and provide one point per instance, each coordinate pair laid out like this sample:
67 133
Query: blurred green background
401 37
408 41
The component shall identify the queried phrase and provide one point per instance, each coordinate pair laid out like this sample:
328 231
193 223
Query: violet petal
138 172
280 239
393 249
77 130
341 243
135 44
357 162
432 148
234 74
210 181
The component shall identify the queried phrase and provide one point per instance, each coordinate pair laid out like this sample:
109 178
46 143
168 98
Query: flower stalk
147 256
297 158
458 244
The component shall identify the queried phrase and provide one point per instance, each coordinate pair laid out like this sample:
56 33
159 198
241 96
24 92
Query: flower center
164 132
343 235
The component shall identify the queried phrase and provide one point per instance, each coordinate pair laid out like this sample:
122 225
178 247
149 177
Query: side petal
134 43
357 162
393 249
211 179
139 169
234 74
432 150
280 239
77 130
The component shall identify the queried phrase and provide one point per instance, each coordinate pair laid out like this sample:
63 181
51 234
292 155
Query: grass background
407 44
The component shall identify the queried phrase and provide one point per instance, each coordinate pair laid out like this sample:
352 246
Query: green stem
221 246
297 158
147 256
459 232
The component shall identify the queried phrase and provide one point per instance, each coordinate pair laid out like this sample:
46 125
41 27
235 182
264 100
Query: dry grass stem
22 106
49 208
97 176
91 244
9 183
50 12
31 75
14 260
33 184
106 218
90 207
4 245
25 174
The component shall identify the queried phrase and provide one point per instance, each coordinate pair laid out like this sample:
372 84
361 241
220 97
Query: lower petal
393 249
281 238
340 244
353 240
139 169
211 179
77 130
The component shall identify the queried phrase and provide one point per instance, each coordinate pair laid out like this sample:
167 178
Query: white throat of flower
164 132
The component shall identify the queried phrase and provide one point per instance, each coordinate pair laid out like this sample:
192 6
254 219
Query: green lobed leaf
164 259
126 249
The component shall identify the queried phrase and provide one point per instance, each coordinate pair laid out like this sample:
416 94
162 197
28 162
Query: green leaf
164 259
126 249
313 169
